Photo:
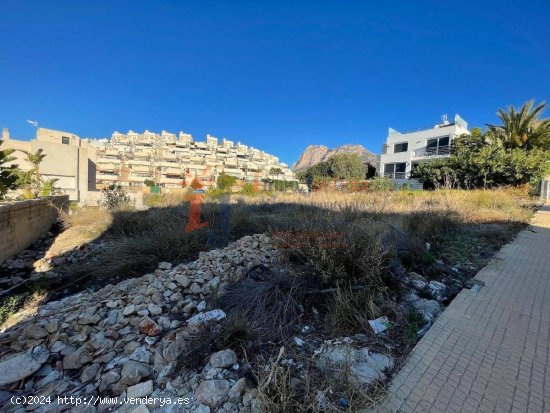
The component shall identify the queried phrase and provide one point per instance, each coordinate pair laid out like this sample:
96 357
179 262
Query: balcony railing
432 151
396 175
423 128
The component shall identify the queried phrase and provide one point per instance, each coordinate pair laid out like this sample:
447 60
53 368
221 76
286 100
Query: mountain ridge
314 154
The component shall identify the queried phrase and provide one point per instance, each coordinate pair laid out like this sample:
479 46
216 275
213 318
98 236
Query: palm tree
523 127
8 174
33 178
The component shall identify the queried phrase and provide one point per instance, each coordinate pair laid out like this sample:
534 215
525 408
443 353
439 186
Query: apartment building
403 151
69 159
174 161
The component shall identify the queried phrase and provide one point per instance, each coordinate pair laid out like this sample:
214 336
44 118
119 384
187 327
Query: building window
437 146
401 147
65 140
395 170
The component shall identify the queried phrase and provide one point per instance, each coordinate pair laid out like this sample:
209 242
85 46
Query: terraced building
174 161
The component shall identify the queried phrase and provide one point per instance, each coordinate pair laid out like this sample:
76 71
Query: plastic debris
380 324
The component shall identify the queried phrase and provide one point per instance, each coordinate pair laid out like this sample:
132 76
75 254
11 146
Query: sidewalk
489 350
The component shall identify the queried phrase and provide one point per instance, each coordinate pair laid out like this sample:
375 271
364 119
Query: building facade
69 159
174 161
403 151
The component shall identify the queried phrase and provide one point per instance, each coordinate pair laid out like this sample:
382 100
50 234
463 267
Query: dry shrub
278 394
202 342
268 304
339 251
349 310
283 388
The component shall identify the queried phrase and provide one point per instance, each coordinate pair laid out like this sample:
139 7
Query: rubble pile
125 339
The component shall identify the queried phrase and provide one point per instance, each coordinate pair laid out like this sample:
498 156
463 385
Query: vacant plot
343 261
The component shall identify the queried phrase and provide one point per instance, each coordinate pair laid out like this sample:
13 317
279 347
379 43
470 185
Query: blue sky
277 75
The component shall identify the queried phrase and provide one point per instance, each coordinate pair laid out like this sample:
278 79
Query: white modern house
404 150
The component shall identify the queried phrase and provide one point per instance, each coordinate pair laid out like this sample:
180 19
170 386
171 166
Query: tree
149 183
480 161
347 166
343 166
31 181
523 127
8 174
225 181
275 172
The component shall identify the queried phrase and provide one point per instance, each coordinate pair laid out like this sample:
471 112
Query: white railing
432 151
396 175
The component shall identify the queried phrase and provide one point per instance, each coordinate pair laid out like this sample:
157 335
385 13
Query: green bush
114 197
225 181
342 166
381 183
248 189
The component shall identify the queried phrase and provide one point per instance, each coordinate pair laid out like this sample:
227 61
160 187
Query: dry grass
83 226
283 388
366 232
475 206
28 309
374 227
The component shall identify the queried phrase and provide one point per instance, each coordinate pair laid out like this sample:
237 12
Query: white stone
129 309
207 316
140 389
22 365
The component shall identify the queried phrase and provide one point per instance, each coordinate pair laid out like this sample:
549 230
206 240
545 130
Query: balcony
106 176
427 152
171 171
171 180
396 175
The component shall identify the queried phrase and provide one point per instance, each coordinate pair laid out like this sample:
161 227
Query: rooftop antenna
444 120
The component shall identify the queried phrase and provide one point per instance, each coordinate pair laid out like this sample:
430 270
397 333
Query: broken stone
164 266
87 319
133 372
363 366
154 309
429 307
129 309
17 367
36 332
237 390
438 290
207 316
212 392
149 327
77 359
89 373
223 359
140 389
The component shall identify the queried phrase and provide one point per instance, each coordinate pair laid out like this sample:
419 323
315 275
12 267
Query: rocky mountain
319 153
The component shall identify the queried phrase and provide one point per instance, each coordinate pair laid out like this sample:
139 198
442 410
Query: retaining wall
23 222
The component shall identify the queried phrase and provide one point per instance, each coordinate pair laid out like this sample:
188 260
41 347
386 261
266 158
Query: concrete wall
23 222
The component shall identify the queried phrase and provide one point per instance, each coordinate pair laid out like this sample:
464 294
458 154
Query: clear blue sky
277 75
